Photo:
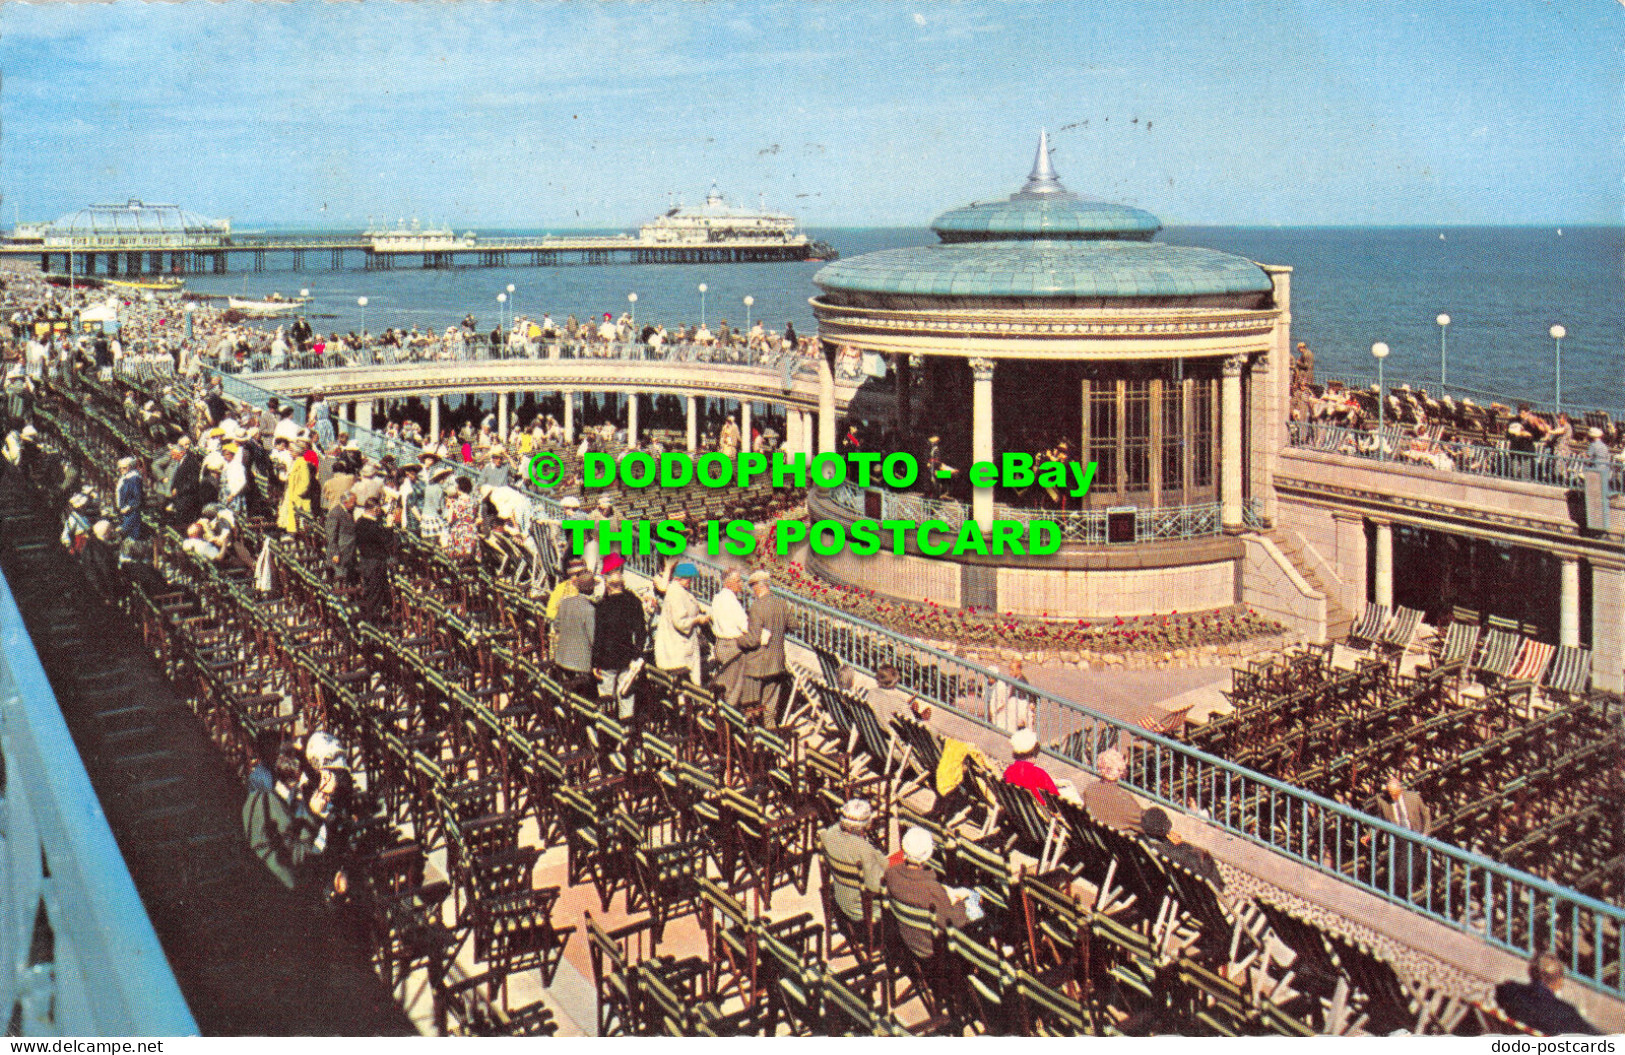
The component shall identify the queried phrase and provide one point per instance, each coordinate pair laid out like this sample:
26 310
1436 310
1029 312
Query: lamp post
1380 351
502 310
632 310
1444 324
189 310
513 305
749 300
703 288
361 302
1558 333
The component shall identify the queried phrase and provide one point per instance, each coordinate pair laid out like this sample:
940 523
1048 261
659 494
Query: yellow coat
295 499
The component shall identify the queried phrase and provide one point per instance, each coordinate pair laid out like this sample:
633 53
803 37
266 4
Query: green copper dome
1045 243
1020 216
1048 268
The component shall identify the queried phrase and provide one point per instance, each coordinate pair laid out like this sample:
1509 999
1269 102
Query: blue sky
590 112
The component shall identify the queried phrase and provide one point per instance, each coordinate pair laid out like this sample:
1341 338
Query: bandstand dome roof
1045 242
133 217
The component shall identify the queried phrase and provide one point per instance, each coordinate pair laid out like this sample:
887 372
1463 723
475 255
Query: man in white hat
913 883
847 841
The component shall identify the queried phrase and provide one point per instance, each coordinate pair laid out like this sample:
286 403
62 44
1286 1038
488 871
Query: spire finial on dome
1042 179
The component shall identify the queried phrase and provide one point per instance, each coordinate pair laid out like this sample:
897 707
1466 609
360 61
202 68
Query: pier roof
134 217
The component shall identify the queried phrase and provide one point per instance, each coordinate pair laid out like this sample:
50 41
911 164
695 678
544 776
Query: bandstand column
1230 460
792 430
569 417
434 418
807 431
631 419
744 424
1607 626
981 436
502 416
363 413
1569 632
1383 589
693 424
826 405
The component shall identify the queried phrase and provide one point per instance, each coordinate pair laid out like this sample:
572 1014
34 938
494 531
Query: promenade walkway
251 958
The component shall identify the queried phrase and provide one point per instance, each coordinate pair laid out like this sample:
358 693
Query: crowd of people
1450 434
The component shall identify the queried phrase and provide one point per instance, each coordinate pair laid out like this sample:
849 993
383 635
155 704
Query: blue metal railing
106 974
1462 889
1393 445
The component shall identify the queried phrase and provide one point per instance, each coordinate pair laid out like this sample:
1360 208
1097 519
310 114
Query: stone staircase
1338 618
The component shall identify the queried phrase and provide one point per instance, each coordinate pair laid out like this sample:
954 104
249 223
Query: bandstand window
1202 433
1103 433
1173 438
1137 435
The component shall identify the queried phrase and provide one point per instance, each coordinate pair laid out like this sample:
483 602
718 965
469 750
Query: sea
1502 287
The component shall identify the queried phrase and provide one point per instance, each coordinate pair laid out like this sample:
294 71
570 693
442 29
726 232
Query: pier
359 252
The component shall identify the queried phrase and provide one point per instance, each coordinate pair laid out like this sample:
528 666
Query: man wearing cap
339 482
763 642
847 842
129 494
913 883
677 638
573 634
728 625
496 472
1024 772
566 586
620 635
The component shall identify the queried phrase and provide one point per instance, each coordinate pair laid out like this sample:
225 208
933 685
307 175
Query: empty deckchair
1500 653
1570 673
1367 631
1400 633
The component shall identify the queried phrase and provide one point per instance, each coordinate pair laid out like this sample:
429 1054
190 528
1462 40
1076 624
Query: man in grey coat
573 633
340 525
763 642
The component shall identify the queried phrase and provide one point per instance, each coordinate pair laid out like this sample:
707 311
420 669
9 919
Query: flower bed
985 631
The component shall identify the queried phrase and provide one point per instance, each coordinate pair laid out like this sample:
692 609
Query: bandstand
1044 319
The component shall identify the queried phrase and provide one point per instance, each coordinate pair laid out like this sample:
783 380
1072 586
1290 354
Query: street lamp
632 299
703 288
304 294
361 302
513 304
189 310
1558 333
502 310
749 300
1444 322
1380 350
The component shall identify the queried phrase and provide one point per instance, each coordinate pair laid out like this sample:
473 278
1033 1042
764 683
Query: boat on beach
157 285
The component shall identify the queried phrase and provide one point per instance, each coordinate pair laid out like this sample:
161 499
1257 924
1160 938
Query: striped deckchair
1460 642
1367 631
1526 674
1570 673
1400 633
1500 653
1458 614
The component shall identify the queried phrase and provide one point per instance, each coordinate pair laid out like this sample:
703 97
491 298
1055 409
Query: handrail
1472 459
1090 526
1480 896
108 975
